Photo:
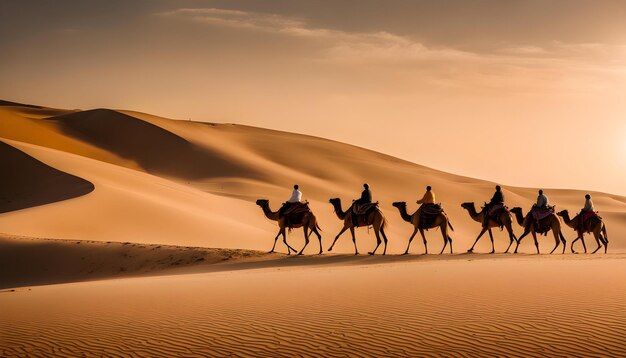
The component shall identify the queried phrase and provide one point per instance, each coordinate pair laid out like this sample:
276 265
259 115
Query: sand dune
141 160
556 306
33 183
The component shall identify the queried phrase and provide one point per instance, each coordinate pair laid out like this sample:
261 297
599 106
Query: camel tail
606 238
450 225
317 226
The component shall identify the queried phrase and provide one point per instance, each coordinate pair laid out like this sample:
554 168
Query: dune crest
135 159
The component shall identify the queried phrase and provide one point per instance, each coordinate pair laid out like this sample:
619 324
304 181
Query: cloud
526 68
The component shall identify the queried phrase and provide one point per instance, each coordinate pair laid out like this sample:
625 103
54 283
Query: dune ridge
226 167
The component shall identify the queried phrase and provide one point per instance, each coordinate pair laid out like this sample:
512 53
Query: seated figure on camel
494 208
361 213
539 220
540 210
294 209
362 207
429 215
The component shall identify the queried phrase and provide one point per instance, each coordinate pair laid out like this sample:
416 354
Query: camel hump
298 208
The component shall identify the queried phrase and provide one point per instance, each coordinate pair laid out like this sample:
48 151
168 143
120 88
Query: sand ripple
454 309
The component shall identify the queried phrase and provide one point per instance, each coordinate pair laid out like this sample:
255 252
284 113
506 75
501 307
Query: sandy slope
188 183
28 261
469 305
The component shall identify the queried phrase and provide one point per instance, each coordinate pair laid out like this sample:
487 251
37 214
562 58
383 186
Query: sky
525 93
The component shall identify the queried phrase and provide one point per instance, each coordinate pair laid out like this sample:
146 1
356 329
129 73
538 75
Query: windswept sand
466 305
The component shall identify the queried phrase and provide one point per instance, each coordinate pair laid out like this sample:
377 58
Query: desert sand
462 305
128 234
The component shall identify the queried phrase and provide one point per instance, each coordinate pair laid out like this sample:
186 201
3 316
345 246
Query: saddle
360 212
495 211
294 213
538 214
589 218
428 215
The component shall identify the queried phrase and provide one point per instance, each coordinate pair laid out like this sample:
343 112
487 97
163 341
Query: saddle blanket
362 209
540 213
297 208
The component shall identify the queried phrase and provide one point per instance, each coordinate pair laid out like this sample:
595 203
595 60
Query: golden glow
522 100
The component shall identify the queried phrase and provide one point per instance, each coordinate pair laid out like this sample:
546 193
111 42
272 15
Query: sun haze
530 93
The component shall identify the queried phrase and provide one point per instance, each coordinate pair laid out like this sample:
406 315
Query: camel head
516 210
399 204
263 203
562 213
335 201
467 206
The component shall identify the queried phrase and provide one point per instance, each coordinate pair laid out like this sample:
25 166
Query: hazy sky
528 93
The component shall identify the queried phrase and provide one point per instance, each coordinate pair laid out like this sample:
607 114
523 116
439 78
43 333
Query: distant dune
184 183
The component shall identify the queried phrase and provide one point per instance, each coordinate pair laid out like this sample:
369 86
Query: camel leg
598 241
556 238
289 248
382 232
306 239
582 239
424 239
444 233
493 247
478 238
378 241
411 239
563 241
536 242
319 237
605 239
511 238
519 241
356 251
572 245
337 237
275 240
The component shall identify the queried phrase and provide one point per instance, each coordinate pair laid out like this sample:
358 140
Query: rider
497 199
542 200
366 198
588 210
428 198
588 205
296 197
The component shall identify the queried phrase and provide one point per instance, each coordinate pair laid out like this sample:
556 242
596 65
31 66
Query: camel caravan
541 219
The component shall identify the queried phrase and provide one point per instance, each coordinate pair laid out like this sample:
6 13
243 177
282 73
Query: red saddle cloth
540 213
589 218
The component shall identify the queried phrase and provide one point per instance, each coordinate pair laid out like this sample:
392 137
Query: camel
505 218
598 229
375 219
309 223
441 222
552 221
